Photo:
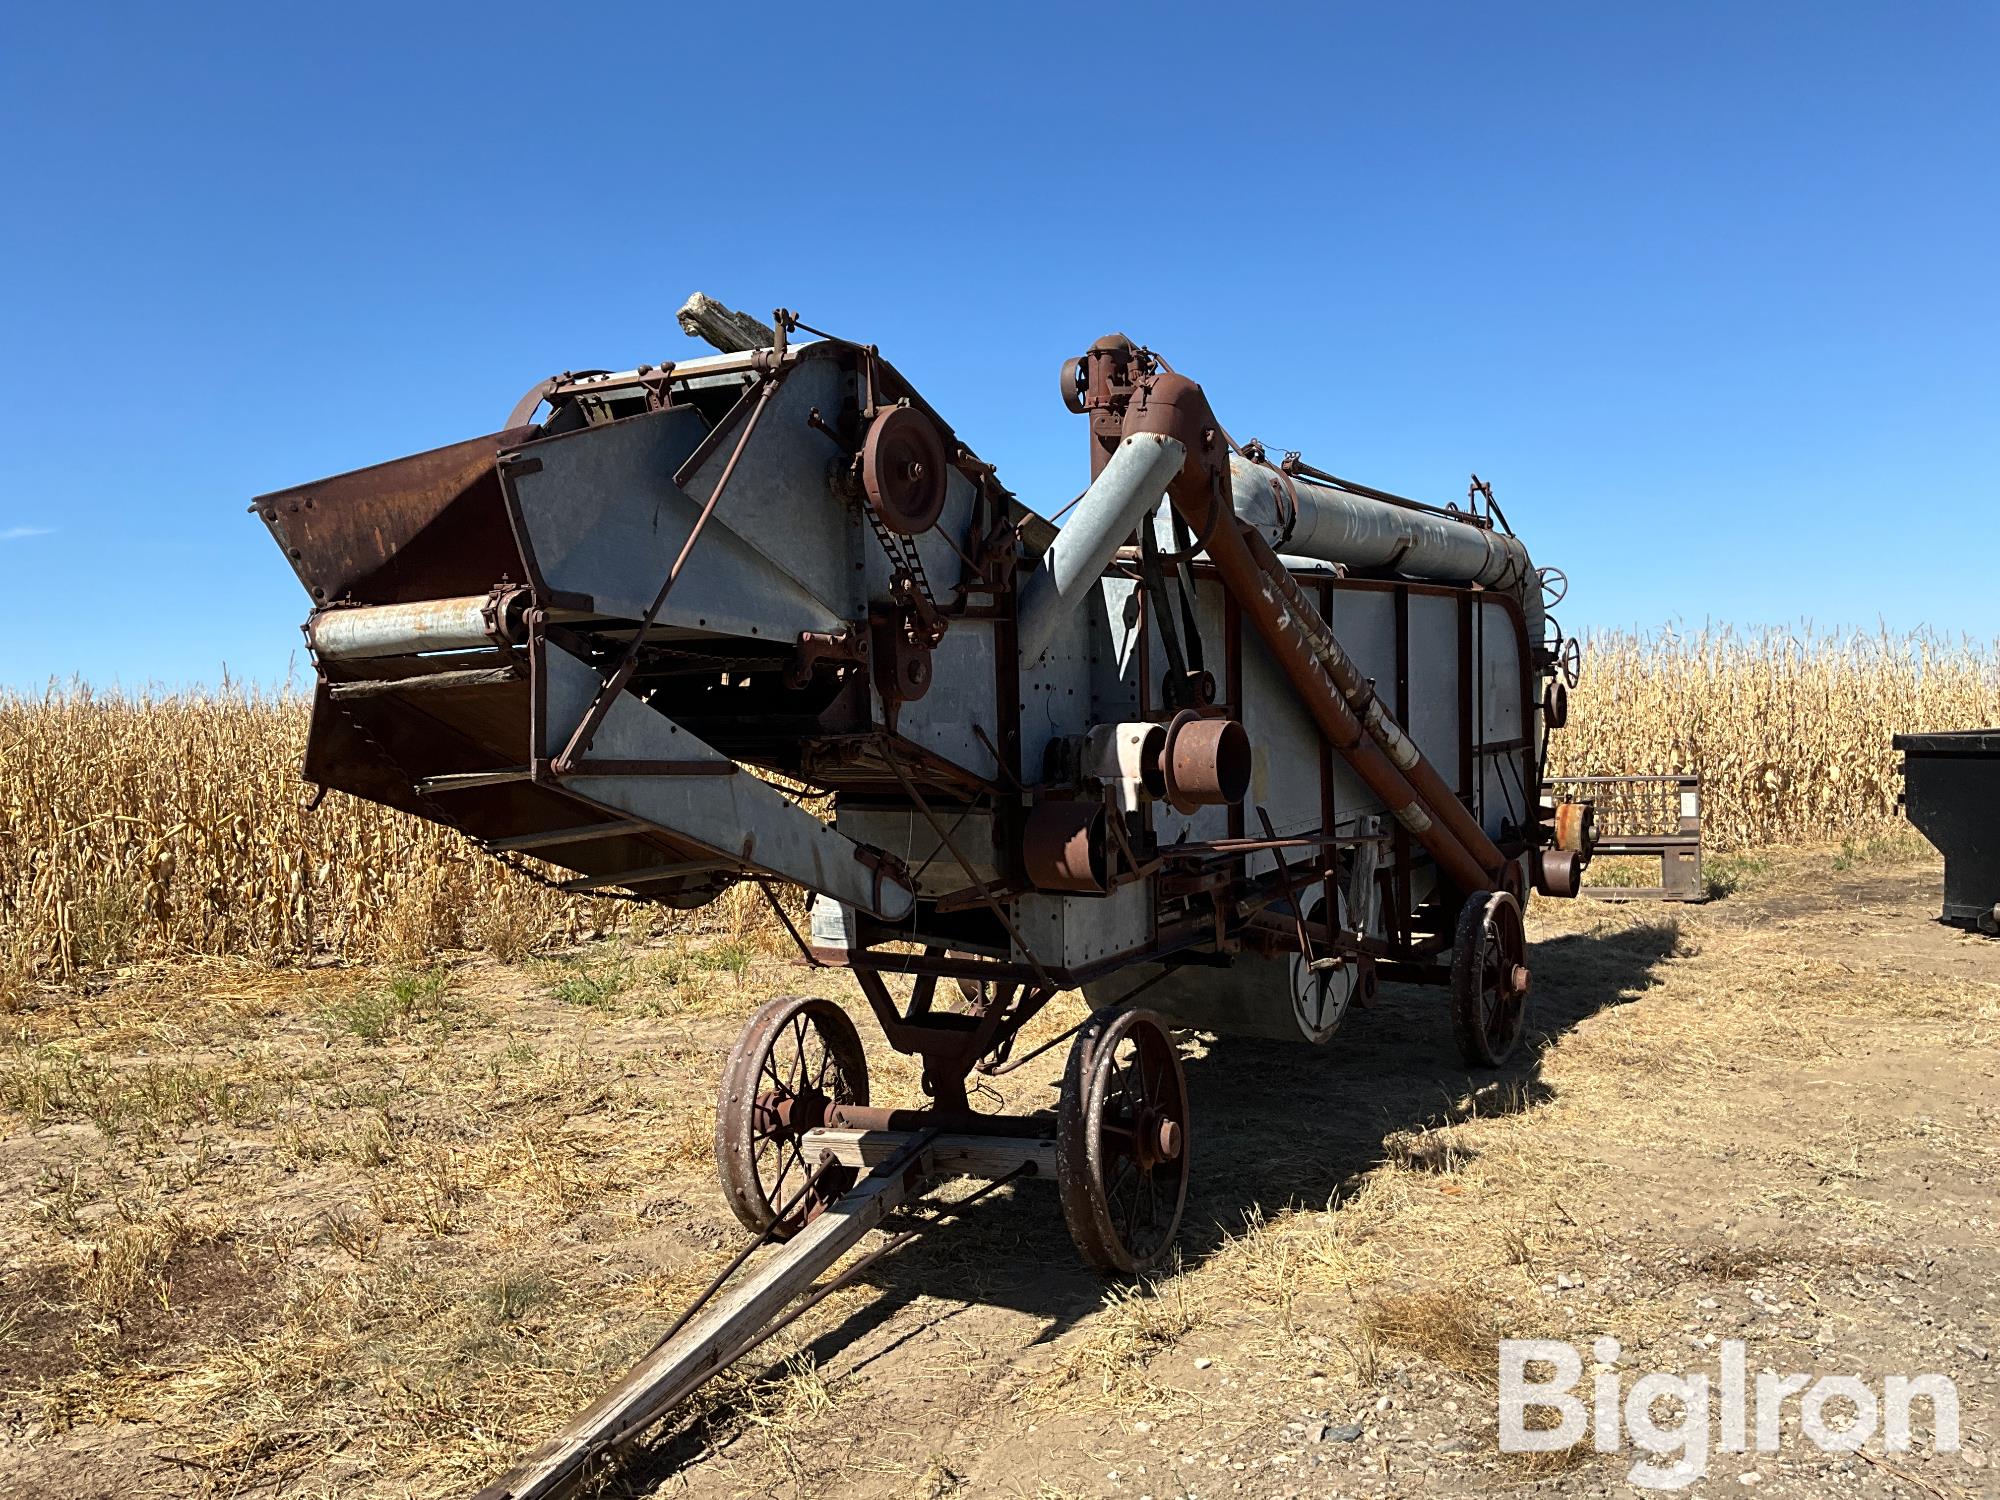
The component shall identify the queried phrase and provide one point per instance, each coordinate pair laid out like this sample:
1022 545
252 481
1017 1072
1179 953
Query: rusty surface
1176 406
1065 847
424 527
1642 816
451 719
1489 979
1558 873
1437 797
1205 762
903 470
794 1060
1122 1146
1555 704
1575 827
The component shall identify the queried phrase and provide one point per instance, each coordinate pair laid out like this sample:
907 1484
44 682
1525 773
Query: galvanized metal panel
601 517
1071 931
907 834
1113 620
1501 667
960 700
1364 622
1286 749
1507 788
779 499
1055 694
1434 702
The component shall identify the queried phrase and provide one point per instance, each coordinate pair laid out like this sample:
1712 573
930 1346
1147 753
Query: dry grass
1790 731
376 1231
1452 1326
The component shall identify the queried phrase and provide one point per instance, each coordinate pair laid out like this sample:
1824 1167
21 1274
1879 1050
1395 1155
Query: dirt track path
396 1259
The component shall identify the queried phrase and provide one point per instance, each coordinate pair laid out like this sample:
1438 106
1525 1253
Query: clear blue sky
1708 291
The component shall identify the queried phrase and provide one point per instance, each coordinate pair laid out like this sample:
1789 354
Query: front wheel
794 1059
1122 1141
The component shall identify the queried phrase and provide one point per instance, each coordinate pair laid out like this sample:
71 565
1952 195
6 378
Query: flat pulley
903 470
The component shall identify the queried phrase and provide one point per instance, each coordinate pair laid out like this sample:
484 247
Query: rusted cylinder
1065 847
1381 726
1558 873
1176 405
1576 827
1204 762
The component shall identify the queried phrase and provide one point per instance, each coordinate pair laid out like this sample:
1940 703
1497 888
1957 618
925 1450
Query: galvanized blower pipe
1335 525
1200 493
1381 726
1174 405
1129 485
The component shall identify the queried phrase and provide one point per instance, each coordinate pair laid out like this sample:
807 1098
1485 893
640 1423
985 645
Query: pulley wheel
1555 704
794 1059
1569 661
1122 1141
1576 827
903 470
1071 383
1489 979
1320 996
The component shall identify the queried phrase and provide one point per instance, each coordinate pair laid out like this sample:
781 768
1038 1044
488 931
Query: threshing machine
1230 745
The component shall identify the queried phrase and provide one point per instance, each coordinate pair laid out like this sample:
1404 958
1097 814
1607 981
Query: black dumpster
1951 791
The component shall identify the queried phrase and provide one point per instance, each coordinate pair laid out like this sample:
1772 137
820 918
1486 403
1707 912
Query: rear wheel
1489 979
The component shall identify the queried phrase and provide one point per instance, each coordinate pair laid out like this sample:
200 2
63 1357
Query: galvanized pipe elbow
1130 485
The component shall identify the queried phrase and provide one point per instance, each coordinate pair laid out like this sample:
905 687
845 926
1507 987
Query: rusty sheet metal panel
422 527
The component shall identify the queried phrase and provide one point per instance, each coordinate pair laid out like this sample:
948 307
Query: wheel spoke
796 1067
1131 1215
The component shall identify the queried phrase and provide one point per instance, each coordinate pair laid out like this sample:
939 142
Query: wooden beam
729 1328
728 330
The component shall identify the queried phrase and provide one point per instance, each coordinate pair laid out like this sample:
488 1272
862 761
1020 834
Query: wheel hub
1156 1138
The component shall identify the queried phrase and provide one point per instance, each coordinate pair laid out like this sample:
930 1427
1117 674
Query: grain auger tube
1234 744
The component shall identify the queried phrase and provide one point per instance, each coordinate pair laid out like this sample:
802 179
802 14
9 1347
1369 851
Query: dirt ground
373 1233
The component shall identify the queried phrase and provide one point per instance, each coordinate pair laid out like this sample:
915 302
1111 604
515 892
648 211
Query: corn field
163 826
1790 732
160 826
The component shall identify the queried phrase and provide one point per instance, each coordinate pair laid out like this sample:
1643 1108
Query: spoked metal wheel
1320 995
1122 1141
794 1059
1489 979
